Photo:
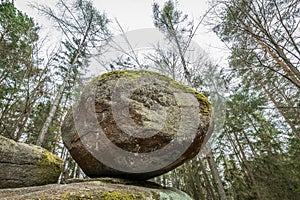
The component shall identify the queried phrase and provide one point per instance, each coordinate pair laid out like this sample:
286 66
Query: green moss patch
105 195
205 105
50 165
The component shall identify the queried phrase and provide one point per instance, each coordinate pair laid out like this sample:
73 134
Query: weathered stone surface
24 165
102 189
136 125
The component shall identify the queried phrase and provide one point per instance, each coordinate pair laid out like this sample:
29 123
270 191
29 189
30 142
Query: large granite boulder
136 125
24 165
102 189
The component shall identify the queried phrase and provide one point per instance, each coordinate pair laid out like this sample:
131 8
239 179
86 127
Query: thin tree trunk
197 179
248 167
269 94
192 184
186 187
208 186
63 156
279 109
287 66
60 125
216 176
250 144
78 170
60 93
234 149
288 101
239 158
289 69
164 181
181 53
42 135
176 180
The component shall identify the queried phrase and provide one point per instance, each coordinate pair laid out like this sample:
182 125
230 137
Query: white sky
137 14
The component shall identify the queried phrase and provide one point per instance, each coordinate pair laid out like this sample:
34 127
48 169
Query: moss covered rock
24 165
102 189
136 125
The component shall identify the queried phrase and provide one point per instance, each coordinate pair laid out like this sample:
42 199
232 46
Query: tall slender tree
85 32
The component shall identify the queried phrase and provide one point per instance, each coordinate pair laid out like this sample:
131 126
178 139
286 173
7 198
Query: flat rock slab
114 189
23 165
136 125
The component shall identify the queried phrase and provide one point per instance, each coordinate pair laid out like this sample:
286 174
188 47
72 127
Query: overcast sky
132 14
137 14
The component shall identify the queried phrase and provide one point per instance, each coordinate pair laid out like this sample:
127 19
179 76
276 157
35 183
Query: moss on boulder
136 124
102 189
26 165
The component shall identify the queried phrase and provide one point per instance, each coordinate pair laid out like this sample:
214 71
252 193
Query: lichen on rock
25 165
136 124
98 189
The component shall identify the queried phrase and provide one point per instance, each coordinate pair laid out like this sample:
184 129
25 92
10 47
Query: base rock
102 189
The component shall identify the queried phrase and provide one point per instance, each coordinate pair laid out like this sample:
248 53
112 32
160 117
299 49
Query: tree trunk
192 184
60 93
42 135
292 72
270 95
216 176
208 186
248 167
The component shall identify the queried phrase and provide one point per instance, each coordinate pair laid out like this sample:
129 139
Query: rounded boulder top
136 124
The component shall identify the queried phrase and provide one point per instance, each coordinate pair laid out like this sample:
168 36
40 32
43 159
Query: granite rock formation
114 189
24 165
136 125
